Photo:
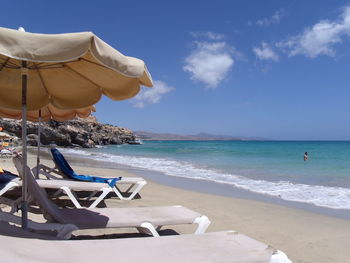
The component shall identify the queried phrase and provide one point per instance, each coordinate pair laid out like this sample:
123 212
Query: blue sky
274 69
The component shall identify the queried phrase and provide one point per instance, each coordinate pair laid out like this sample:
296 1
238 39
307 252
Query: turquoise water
275 168
328 164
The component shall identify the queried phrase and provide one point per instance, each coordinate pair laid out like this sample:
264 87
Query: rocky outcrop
79 132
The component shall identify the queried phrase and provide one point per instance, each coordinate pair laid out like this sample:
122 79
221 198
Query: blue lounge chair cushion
65 168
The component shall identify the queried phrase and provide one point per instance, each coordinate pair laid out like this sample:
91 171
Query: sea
271 168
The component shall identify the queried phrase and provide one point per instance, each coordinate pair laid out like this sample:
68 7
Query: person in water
306 156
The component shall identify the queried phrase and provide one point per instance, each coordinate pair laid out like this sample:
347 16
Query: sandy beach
304 236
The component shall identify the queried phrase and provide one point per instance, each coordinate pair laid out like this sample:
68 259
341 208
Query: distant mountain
196 137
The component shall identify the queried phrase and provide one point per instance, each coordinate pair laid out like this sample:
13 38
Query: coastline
266 168
210 187
303 235
225 190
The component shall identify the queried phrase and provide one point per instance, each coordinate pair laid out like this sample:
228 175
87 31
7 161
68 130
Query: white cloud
209 62
151 95
209 35
265 52
274 19
319 39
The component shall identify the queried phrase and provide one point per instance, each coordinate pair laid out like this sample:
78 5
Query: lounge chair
62 169
69 187
8 181
6 153
218 247
62 231
145 219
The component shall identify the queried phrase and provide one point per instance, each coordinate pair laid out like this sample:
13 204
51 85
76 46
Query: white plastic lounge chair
218 247
66 186
6 153
70 187
133 184
149 219
10 185
14 183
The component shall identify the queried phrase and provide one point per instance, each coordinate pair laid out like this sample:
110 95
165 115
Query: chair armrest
48 172
64 231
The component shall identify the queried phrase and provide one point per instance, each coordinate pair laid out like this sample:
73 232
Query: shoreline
225 190
215 188
322 184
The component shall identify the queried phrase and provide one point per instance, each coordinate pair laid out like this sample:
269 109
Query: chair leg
138 188
91 195
15 204
129 189
105 192
279 256
71 196
66 231
117 192
203 223
57 193
148 228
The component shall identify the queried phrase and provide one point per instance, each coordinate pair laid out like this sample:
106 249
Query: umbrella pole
24 202
38 156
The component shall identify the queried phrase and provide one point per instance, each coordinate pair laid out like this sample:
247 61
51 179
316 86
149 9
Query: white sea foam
331 197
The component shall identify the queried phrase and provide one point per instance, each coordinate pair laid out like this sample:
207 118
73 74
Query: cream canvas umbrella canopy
47 113
69 71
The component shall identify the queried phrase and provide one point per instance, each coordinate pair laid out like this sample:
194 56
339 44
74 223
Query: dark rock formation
85 133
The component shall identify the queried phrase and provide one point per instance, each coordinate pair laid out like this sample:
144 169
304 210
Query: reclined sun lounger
149 219
62 231
64 170
218 247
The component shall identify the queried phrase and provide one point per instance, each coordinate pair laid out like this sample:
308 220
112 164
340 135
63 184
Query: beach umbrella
68 71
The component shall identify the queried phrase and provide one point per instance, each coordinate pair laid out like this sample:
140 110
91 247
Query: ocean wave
331 197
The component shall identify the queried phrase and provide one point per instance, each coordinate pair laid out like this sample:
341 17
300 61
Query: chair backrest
61 163
38 193
64 167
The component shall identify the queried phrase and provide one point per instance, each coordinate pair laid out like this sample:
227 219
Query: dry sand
302 235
